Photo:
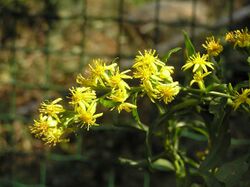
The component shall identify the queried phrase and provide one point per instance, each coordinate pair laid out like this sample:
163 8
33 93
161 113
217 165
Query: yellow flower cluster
105 84
84 102
109 77
244 97
48 127
240 38
200 66
201 63
155 77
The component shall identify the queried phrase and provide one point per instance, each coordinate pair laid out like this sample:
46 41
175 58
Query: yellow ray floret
244 97
150 89
54 136
86 114
98 74
229 37
128 107
143 73
167 92
149 59
52 108
41 126
165 73
240 38
198 63
213 47
198 78
116 79
82 94
119 95
46 128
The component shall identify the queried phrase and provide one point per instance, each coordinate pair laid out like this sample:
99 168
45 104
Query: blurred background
45 44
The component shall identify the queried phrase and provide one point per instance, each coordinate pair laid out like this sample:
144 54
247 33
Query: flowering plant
200 106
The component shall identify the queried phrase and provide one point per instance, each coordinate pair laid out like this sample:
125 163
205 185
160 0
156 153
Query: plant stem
198 91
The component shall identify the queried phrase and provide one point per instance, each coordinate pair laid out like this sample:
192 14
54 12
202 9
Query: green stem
148 146
219 94
141 163
198 91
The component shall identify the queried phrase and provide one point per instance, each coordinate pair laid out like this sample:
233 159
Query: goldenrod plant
200 106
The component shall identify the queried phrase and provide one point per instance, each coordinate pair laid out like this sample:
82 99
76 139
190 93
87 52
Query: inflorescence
105 82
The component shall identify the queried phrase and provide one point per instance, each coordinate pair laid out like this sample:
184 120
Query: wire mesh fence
45 45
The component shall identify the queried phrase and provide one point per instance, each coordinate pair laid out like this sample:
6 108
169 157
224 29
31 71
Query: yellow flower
41 126
199 62
99 67
149 59
213 47
52 109
150 90
126 106
198 78
86 82
167 92
229 37
82 94
97 73
242 98
240 38
86 114
116 79
119 95
46 128
165 73
54 136
143 73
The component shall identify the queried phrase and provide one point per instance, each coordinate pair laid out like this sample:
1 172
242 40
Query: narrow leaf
170 52
188 44
107 103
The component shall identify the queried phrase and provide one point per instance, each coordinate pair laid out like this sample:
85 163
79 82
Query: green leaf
170 52
192 135
240 85
188 44
107 103
230 173
210 180
185 104
217 152
217 106
240 142
217 87
220 139
163 165
128 162
217 109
